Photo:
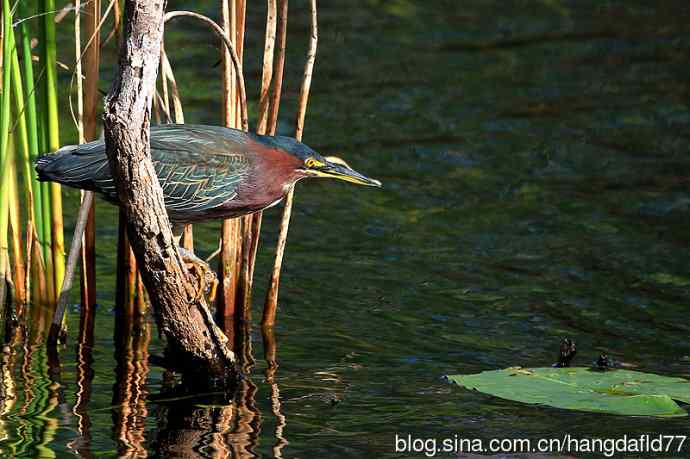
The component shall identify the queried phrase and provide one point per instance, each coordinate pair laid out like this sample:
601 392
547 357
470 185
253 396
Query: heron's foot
207 281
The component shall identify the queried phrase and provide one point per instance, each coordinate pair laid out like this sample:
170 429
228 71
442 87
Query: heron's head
312 164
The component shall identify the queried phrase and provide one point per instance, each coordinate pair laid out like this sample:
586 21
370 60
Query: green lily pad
624 392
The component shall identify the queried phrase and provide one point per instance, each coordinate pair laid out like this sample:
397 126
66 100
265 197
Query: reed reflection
81 445
33 408
270 355
132 337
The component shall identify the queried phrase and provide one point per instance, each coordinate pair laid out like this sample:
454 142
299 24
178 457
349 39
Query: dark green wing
199 167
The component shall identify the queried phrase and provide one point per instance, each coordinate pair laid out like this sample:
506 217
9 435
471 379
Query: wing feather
199 167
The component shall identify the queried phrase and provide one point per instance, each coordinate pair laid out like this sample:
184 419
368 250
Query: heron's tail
77 166
50 167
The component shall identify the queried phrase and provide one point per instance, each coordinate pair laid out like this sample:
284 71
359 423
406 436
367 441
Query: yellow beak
341 171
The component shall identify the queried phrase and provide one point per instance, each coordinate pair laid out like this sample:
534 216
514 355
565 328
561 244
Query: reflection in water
41 393
81 445
29 412
132 336
242 437
215 425
189 430
270 351
8 395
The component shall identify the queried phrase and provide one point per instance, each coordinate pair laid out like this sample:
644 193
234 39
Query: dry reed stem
17 251
233 55
270 105
176 100
244 244
94 38
92 57
87 240
230 239
230 230
72 259
77 70
171 93
272 294
115 31
308 71
267 73
155 108
161 106
164 101
278 69
254 220
156 103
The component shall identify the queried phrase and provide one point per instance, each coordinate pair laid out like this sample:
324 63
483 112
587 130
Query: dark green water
535 163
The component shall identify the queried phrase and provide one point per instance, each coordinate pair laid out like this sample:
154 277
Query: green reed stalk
21 130
4 141
53 137
42 135
51 294
38 245
31 121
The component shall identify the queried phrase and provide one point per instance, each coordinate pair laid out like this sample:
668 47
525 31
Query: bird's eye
311 162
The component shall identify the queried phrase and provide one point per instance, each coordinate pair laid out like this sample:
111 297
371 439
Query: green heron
206 172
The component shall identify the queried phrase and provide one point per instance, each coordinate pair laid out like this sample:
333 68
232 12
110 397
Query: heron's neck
272 176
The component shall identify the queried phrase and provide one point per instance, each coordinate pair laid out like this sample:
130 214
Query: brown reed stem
233 56
230 236
19 272
268 107
252 223
230 241
91 102
72 258
272 294
267 72
278 70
